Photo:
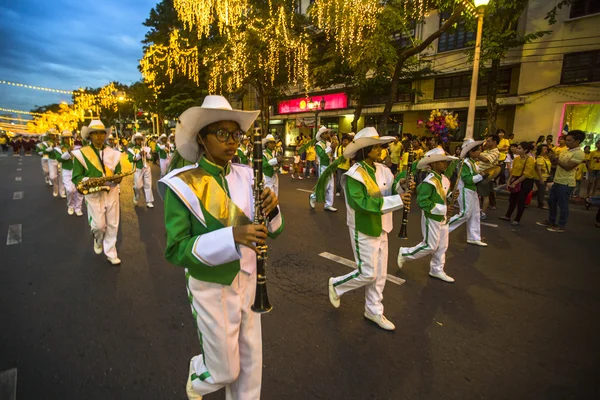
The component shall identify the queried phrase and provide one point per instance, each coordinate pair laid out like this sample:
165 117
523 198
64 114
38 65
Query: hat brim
468 147
193 119
265 141
318 135
86 132
425 161
361 143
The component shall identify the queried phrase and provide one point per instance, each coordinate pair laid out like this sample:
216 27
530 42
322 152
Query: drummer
488 161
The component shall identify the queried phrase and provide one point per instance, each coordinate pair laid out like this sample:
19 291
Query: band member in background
344 166
271 164
53 166
113 143
431 197
41 150
468 199
370 201
140 155
324 154
218 250
164 153
95 161
31 143
65 158
16 144
172 146
243 151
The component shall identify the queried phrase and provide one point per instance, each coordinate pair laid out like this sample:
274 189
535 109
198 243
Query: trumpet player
431 197
468 199
370 201
140 155
96 161
65 158
209 209
164 154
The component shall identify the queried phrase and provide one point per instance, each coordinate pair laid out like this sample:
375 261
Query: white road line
304 190
352 264
15 234
19 169
488 224
17 178
17 195
8 384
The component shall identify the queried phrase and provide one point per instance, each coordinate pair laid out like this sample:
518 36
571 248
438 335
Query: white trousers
272 183
230 336
74 198
435 242
45 169
164 166
371 256
56 177
103 216
329 189
142 179
470 212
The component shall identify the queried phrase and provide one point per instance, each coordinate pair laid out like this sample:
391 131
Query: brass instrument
261 300
94 185
454 192
403 234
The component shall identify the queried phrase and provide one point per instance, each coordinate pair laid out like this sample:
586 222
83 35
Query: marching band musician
270 164
172 146
142 178
164 152
324 154
95 161
112 143
64 157
468 198
41 150
53 166
370 201
16 144
431 197
243 151
209 209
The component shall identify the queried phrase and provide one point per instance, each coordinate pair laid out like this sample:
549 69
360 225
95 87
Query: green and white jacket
370 198
64 157
241 153
323 150
135 156
93 163
203 202
431 196
41 149
269 163
469 175
162 150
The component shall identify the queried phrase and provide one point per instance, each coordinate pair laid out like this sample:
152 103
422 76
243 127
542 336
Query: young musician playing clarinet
209 209
431 197
370 200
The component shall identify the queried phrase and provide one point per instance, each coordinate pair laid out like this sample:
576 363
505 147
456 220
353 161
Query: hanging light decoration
202 14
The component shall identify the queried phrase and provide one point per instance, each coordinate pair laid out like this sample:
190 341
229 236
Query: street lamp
317 107
480 7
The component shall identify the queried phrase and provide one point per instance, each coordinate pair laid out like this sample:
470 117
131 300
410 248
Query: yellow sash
439 187
94 159
370 184
213 197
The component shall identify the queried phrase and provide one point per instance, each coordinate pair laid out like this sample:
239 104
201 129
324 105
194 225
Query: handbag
516 188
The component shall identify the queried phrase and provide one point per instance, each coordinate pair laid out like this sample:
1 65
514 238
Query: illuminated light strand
202 14
19 111
80 92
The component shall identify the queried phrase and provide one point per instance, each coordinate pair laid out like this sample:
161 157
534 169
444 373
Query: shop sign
333 101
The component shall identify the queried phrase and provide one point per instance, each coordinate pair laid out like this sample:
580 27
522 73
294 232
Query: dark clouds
66 44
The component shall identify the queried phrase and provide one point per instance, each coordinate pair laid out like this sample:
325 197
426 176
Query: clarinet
403 234
261 300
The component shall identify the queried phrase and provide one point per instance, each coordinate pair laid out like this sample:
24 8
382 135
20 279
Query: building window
503 83
580 8
452 86
581 67
454 38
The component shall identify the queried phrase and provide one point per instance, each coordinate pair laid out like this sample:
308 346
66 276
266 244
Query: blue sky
66 44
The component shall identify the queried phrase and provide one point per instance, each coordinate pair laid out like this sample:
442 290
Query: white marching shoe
78 213
312 201
114 261
442 276
70 211
189 388
97 247
400 259
331 209
333 296
150 205
477 243
381 320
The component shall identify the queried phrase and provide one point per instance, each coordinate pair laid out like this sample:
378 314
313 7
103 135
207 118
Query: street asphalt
520 322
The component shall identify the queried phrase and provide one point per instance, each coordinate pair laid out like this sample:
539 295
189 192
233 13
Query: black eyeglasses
224 135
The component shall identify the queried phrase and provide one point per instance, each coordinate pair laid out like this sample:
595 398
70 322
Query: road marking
17 195
304 190
14 234
352 264
488 224
19 169
8 384
17 178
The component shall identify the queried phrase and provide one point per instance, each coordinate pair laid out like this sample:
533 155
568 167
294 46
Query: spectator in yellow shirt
520 182
311 156
395 152
543 166
562 146
503 146
594 171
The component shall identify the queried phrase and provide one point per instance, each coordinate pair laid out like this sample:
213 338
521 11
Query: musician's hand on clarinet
248 235
450 209
406 200
268 201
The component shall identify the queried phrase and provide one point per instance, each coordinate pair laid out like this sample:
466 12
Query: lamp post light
480 7
317 107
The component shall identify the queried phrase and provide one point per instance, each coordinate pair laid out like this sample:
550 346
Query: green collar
367 166
438 176
213 168
269 151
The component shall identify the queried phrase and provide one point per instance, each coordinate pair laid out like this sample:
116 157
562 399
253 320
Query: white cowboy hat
110 136
469 145
321 131
365 138
163 136
137 135
66 133
95 126
192 120
433 155
52 131
268 138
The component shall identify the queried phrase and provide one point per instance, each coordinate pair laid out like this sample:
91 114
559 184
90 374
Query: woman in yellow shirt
520 182
543 167
593 170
